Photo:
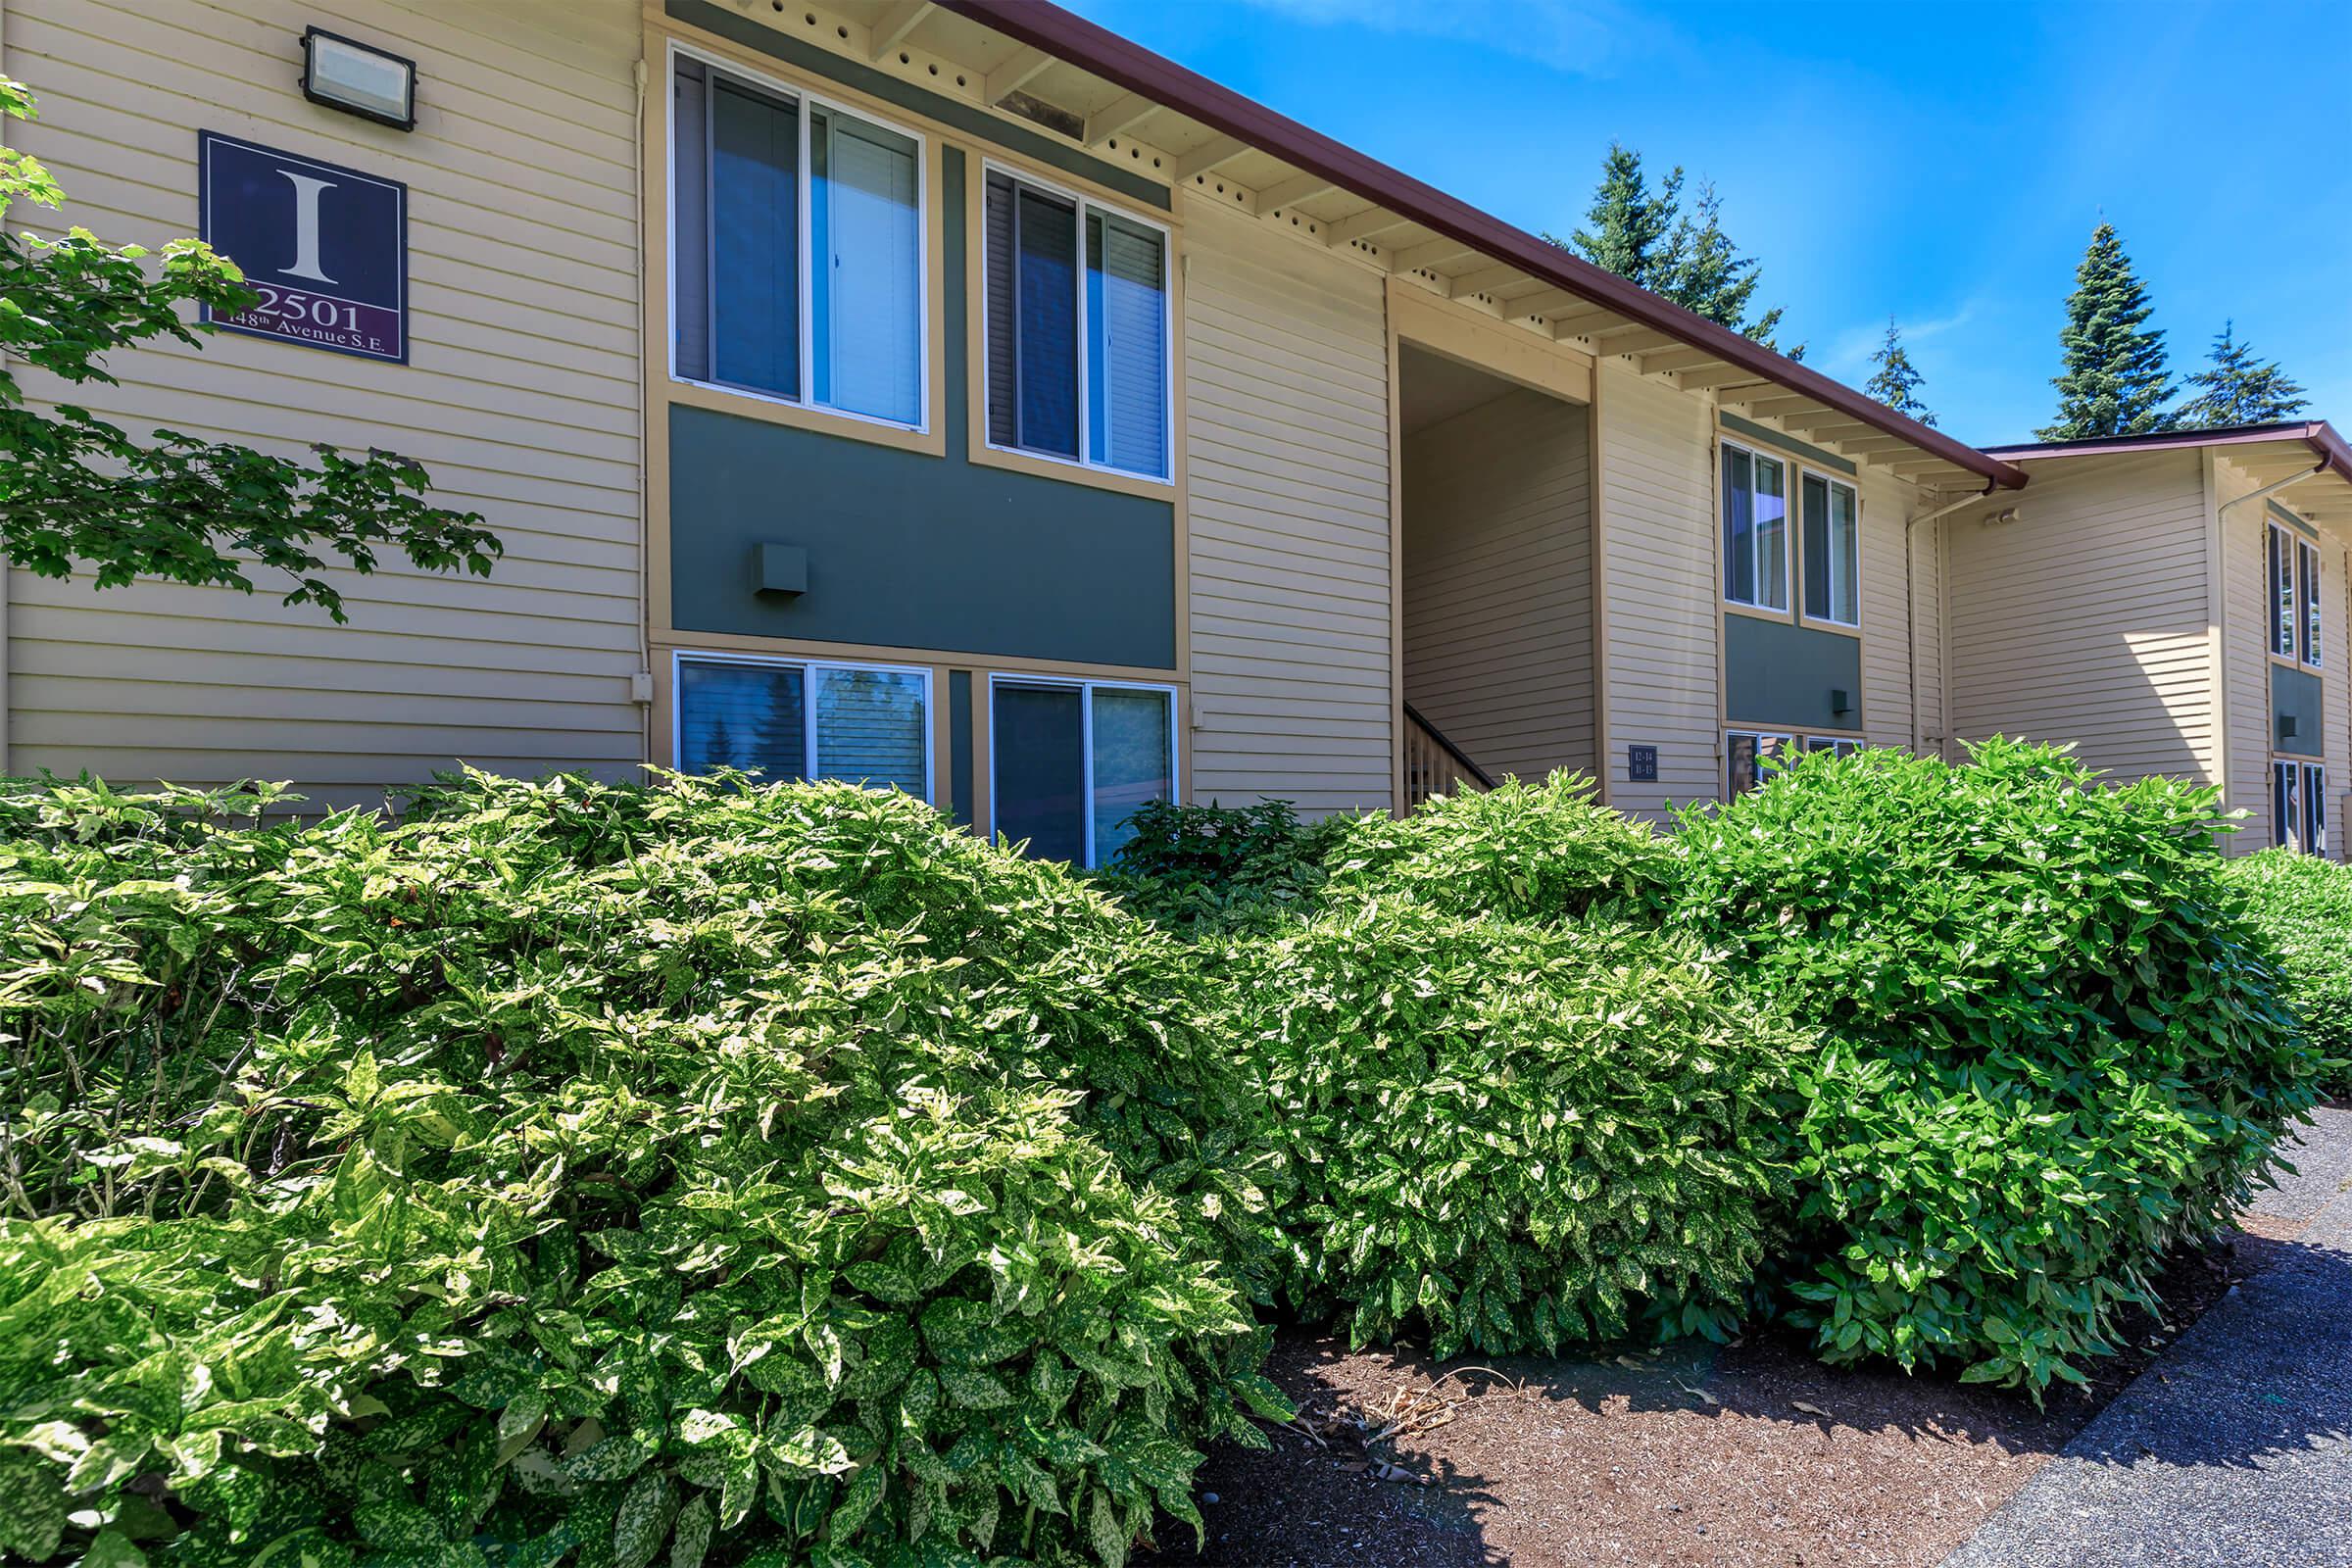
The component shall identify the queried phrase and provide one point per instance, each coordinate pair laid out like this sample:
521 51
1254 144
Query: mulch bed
1747 1454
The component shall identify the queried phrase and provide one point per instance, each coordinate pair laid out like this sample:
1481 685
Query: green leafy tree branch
77 490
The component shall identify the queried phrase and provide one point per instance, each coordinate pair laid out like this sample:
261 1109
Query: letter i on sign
307 190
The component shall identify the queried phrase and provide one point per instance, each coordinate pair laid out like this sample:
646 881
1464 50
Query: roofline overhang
2324 443
1129 64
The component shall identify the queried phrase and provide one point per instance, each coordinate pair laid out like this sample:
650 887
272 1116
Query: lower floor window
1832 744
1071 760
2299 806
1750 755
794 719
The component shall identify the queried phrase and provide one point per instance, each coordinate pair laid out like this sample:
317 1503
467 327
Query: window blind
871 728
869 308
1128 357
1045 236
1003 424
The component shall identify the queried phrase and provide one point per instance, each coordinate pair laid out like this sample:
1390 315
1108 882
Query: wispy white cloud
1584 38
1849 357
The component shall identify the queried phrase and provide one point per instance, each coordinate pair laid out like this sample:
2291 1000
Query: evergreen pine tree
1897 381
1703 271
2234 390
2115 381
1630 225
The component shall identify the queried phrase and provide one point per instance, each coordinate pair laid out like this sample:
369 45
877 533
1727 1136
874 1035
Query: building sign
1641 764
327 248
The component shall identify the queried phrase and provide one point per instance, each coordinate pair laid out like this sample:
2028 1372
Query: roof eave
1130 66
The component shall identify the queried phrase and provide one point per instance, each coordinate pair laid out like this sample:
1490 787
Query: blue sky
1942 163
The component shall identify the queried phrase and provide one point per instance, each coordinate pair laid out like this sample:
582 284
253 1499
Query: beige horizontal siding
2087 620
1498 583
1892 588
521 399
1287 430
1659 582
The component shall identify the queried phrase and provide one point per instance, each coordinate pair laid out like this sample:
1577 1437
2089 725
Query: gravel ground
1754 1454
2237 1448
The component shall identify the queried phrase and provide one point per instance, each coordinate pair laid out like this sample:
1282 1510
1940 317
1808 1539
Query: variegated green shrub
595 1175
1512 1136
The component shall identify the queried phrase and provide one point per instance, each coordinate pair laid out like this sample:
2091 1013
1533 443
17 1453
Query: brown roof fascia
1129 64
2318 436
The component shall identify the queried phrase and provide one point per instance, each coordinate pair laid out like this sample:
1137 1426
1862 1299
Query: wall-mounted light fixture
347 74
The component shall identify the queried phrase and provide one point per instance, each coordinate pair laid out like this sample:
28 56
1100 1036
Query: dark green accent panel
2291 519
1765 435
972 122
906 550
910 551
1780 676
960 746
2299 695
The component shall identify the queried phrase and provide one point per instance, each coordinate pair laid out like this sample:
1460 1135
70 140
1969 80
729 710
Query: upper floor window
796 252
1755 529
1833 551
2294 591
1077 348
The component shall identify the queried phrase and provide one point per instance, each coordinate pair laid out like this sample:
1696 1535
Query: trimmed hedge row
756 1175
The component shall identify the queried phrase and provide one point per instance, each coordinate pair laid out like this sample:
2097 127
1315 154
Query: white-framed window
2307 597
1755 528
1079 365
1837 746
801 719
2292 568
1070 760
2299 806
2279 572
1749 754
1832 549
797 254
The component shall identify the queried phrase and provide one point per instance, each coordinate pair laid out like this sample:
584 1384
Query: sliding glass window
792 719
2307 598
796 255
1074 760
1833 552
2299 806
1078 329
2280 571
1755 529
1750 757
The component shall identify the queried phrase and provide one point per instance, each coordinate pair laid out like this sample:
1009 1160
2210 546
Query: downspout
640 684
1911 605
2274 487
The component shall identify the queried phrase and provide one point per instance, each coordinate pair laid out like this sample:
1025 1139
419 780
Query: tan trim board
1453 329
